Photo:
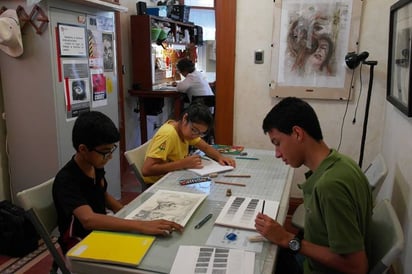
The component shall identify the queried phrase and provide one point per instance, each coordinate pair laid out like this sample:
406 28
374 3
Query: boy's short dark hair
185 65
199 113
94 129
290 112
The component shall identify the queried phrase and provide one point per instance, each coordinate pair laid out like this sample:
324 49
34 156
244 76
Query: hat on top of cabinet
10 36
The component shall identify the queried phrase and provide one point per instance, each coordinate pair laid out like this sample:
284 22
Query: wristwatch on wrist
295 243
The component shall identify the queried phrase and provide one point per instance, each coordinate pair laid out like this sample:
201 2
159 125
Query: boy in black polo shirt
80 188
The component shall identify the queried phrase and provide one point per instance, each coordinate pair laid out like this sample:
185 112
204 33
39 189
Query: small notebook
112 247
210 166
240 212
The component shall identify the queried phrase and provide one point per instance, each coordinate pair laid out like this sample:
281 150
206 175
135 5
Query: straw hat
10 35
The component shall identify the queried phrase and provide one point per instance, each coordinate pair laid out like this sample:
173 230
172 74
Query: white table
270 179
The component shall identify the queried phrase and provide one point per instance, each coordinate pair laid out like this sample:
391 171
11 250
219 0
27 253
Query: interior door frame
225 13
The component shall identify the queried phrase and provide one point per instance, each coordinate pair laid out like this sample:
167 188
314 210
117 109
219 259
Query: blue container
158 11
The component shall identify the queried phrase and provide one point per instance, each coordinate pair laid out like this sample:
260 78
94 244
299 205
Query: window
200 3
206 19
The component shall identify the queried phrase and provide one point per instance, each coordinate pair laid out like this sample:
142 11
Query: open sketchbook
210 260
241 212
210 166
112 247
176 206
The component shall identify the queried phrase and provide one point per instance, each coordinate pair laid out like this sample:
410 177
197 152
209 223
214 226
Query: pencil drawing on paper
169 205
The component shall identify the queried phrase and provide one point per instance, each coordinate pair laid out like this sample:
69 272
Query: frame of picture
302 29
399 89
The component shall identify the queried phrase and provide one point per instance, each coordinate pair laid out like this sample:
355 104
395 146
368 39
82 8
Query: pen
202 222
247 158
263 206
205 158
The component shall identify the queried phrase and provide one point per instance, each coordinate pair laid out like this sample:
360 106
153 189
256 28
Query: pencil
237 176
263 206
247 158
228 183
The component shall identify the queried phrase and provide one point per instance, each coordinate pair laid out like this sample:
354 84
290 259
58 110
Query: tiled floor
131 187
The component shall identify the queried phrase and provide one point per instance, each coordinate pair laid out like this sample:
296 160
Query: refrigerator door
84 57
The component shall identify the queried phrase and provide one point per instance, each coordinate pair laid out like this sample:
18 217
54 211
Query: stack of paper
241 212
112 247
229 149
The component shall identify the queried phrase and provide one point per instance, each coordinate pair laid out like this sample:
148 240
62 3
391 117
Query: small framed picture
399 90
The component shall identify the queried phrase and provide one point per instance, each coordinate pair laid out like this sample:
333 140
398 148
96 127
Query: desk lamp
352 61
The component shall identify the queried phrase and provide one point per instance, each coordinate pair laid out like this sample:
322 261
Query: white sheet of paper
218 238
169 205
210 166
209 260
241 212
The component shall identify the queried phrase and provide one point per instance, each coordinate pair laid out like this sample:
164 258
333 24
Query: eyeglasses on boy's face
196 131
106 154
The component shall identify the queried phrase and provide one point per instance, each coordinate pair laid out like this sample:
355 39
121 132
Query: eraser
256 238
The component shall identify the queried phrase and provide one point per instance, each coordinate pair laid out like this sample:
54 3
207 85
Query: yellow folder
112 247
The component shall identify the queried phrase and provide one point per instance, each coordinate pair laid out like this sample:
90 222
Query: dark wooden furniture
143 96
143 61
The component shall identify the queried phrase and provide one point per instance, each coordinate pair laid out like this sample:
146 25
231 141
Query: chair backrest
376 173
39 204
40 198
387 237
208 100
135 157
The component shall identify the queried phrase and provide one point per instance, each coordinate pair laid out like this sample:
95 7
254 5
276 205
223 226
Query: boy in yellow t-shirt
169 148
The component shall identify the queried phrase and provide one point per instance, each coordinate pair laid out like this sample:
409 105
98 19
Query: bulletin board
311 39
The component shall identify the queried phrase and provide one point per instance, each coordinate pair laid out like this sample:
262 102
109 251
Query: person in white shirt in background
194 84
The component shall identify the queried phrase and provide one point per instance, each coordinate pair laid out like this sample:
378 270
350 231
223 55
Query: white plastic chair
135 157
387 238
375 172
39 204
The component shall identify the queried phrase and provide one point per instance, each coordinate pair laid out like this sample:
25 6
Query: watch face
294 245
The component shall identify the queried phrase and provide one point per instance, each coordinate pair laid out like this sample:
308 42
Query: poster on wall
313 38
72 40
76 86
99 88
94 40
108 55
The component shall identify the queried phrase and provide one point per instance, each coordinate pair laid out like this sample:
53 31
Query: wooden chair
375 172
39 204
387 238
135 157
